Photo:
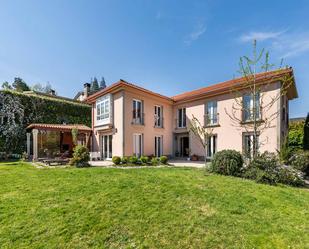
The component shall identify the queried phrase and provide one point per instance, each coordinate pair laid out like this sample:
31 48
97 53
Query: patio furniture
56 161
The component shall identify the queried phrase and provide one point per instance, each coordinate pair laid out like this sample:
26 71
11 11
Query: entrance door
107 148
184 146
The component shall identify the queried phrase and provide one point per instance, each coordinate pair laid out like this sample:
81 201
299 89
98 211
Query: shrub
133 159
263 168
116 160
144 159
300 161
80 156
163 159
290 176
155 161
124 160
227 162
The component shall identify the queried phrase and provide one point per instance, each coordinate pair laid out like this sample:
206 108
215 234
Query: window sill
158 127
212 125
252 122
137 124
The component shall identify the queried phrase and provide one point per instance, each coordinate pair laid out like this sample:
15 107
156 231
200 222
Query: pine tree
306 134
94 85
102 83
20 85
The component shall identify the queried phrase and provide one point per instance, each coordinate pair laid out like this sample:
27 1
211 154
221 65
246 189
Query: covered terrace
55 140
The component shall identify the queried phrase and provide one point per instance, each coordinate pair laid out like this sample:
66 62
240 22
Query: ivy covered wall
18 110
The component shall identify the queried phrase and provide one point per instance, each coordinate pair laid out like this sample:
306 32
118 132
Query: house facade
130 120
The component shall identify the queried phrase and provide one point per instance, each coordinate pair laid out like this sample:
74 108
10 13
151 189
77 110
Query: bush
163 159
124 160
155 161
300 161
265 168
290 176
116 160
81 156
144 159
133 159
227 162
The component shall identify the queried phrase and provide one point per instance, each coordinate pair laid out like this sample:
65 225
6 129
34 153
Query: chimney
86 90
52 92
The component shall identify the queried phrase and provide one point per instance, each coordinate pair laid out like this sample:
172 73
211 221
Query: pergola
57 136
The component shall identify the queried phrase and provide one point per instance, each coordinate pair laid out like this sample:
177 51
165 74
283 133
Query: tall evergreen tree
102 83
306 134
20 85
94 85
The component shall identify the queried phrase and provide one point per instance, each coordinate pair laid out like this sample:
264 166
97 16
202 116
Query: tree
6 85
102 83
296 135
251 101
42 88
20 85
306 134
202 134
94 85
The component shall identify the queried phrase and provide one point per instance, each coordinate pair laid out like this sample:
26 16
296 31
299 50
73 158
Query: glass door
107 148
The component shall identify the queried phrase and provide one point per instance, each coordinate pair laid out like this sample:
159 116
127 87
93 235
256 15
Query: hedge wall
18 110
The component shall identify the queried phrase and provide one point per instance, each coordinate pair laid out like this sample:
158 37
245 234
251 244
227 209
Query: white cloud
198 31
260 36
285 44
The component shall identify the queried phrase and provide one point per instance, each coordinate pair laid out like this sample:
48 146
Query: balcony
137 118
158 122
211 120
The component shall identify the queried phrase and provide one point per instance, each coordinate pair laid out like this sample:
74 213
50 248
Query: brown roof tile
60 127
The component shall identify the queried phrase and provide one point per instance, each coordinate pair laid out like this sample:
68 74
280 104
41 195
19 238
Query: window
212 146
158 116
249 143
249 107
103 108
211 113
158 146
107 148
137 112
182 118
137 144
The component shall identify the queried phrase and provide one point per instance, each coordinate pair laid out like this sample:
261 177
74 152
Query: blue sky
166 46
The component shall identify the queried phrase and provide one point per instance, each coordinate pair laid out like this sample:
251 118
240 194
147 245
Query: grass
146 208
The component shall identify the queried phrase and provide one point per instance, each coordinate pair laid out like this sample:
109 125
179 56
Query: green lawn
146 208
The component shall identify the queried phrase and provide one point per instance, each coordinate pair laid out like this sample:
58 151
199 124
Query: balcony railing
138 118
211 120
158 122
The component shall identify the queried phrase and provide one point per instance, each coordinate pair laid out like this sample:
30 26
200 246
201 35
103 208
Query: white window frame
138 144
181 121
158 117
158 146
250 110
248 140
109 153
103 108
212 112
212 145
137 116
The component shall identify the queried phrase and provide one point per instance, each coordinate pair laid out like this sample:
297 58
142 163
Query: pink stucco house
130 120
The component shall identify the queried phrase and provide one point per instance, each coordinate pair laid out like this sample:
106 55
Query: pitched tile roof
202 92
60 127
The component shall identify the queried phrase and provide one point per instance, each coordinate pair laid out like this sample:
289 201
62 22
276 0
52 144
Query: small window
182 118
212 146
251 106
137 145
158 146
137 112
158 116
211 113
249 143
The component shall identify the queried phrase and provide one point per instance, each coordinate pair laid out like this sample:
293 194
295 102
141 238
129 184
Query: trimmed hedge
227 162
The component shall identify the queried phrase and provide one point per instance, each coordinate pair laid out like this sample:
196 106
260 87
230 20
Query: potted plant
194 157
